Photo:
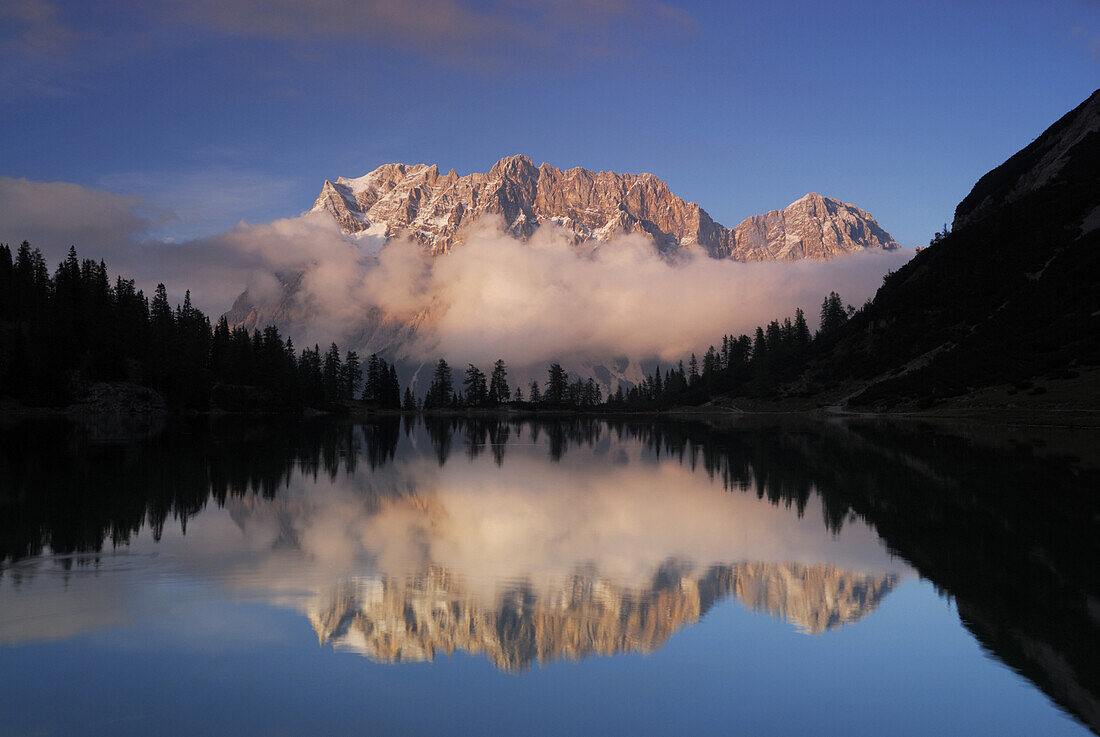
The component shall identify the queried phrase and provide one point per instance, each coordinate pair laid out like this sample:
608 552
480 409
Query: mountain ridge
1008 295
432 209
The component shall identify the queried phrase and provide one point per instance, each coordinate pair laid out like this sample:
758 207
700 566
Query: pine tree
372 388
351 375
759 347
219 347
801 329
393 389
833 314
556 385
477 392
709 362
160 311
331 372
441 390
498 385
162 339
774 336
592 394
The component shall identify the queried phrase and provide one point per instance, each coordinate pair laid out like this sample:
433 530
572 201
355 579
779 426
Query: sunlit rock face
393 621
418 202
813 227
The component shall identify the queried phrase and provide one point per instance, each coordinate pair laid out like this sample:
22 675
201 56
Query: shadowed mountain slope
1010 293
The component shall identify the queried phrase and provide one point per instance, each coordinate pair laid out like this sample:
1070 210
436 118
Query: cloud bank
544 299
118 229
529 302
59 214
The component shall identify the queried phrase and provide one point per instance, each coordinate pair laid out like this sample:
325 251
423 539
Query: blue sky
219 110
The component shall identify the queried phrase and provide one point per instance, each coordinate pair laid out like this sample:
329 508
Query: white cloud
529 302
119 230
545 299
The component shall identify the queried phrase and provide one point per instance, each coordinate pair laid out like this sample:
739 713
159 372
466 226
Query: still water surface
547 577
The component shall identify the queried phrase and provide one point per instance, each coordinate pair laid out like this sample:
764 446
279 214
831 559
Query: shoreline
1085 418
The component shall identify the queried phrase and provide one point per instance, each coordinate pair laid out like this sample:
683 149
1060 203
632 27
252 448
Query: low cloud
543 299
55 215
494 296
119 229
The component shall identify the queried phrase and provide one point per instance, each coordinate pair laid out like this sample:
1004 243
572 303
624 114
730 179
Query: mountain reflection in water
393 622
539 540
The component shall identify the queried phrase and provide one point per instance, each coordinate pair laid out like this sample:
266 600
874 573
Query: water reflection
534 541
393 620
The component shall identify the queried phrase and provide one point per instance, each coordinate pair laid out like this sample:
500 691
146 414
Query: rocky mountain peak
416 202
517 166
814 227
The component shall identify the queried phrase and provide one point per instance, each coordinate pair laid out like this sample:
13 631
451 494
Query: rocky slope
1066 154
432 208
393 621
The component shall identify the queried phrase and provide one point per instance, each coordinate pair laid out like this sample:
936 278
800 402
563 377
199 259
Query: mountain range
432 209
1006 295
416 205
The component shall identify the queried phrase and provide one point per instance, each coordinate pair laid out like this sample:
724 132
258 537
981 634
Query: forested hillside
60 333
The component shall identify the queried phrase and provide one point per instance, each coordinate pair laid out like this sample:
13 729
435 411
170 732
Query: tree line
58 332
479 391
754 366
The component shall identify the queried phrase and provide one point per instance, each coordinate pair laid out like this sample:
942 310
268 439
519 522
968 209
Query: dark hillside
1012 293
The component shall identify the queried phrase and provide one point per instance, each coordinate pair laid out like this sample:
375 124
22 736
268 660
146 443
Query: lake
548 576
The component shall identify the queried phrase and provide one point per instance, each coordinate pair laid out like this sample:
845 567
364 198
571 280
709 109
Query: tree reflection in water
1007 528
